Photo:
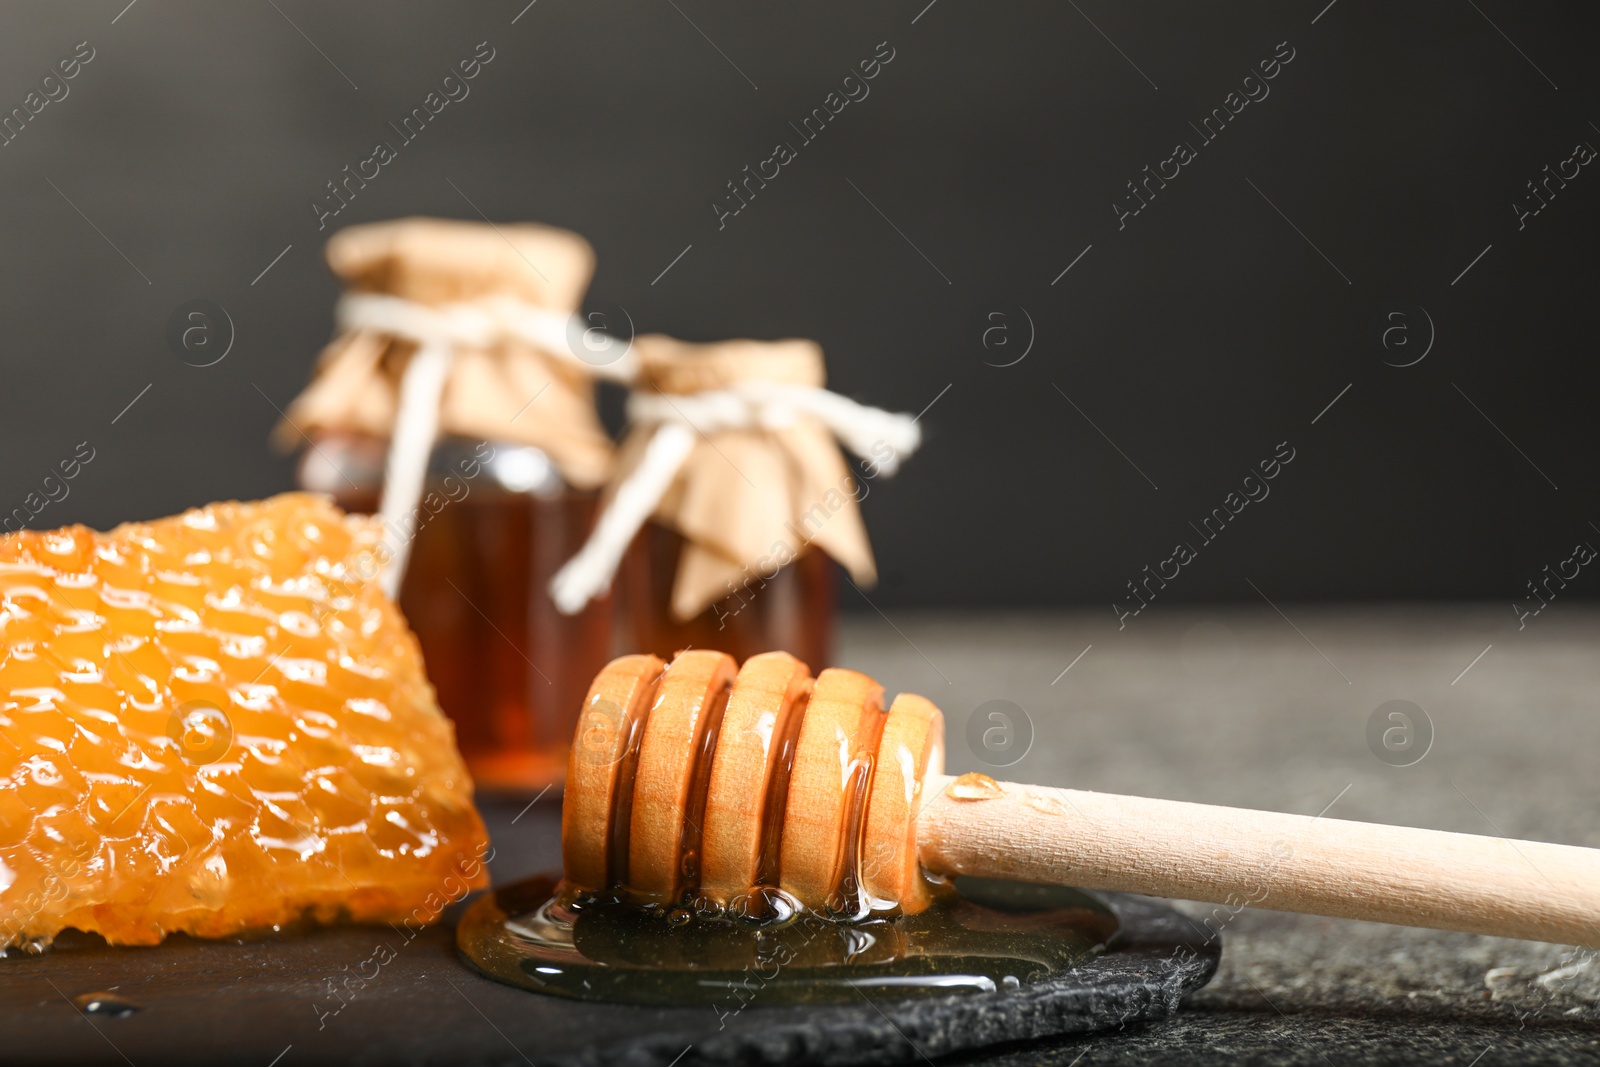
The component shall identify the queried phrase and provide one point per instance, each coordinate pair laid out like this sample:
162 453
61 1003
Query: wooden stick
1236 857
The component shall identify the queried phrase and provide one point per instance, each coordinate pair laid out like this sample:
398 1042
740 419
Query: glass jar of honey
732 507
507 667
451 404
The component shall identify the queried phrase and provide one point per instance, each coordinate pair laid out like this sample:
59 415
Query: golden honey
793 609
218 722
981 937
745 834
494 526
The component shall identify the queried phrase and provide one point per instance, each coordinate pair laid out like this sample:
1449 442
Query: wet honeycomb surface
216 723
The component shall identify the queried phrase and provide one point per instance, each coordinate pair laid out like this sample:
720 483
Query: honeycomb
215 723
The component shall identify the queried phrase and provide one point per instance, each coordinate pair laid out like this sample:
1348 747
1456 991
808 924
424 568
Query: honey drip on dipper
793 785
756 826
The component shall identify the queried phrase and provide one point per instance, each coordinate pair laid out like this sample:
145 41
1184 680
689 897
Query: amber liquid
981 937
792 611
510 670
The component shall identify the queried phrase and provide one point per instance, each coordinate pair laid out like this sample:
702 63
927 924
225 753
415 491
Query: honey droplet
109 1004
1044 802
974 786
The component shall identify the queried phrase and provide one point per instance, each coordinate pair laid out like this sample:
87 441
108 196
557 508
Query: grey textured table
1251 708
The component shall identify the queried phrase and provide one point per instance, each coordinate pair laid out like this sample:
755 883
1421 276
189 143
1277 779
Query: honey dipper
703 778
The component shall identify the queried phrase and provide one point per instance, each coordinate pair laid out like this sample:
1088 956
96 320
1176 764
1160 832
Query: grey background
1222 320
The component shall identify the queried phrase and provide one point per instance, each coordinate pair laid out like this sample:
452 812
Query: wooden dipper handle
703 778
1236 857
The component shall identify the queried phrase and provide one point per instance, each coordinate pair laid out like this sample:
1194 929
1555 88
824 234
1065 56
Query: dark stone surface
250 1002
1156 959
1239 706
1314 1039
1226 707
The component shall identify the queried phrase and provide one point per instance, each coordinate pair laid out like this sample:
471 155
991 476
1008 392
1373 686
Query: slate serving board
270 1003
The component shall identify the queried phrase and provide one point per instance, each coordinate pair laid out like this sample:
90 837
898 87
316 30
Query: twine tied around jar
770 395
451 326
437 333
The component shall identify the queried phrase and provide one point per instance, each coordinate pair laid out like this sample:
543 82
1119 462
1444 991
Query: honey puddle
979 937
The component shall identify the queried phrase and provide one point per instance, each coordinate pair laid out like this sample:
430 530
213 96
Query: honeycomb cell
217 722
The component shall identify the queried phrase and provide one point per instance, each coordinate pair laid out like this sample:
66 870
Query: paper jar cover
748 500
437 262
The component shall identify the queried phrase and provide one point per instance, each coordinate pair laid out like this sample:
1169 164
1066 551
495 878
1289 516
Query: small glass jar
792 610
452 400
495 522
731 507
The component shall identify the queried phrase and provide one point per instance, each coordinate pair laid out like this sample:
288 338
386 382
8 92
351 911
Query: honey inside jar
793 608
509 669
